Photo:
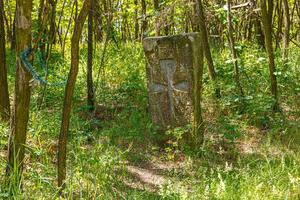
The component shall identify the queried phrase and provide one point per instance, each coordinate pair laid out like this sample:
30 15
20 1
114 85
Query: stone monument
174 78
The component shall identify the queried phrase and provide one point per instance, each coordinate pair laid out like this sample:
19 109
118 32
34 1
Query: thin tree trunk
206 48
109 19
52 30
90 85
257 26
4 96
67 31
9 21
157 17
279 12
259 33
17 140
136 22
98 22
41 12
267 13
42 24
69 91
102 60
123 23
13 36
172 21
233 50
197 138
144 25
286 36
58 26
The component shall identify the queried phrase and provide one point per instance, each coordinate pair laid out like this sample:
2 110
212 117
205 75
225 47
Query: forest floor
116 152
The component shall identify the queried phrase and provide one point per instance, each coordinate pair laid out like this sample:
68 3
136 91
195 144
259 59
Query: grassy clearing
247 155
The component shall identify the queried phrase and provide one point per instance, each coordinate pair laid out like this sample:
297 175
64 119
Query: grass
252 154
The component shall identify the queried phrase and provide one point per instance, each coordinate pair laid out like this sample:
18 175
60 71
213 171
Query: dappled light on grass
115 153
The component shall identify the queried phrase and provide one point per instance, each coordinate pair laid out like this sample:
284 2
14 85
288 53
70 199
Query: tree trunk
41 12
278 10
109 19
255 19
69 91
58 26
98 22
233 50
8 16
136 22
42 25
157 17
286 36
267 13
13 36
90 85
4 96
197 138
206 48
144 25
17 140
67 30
52 30
124 24
260 38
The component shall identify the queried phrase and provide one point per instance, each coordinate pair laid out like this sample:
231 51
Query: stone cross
174 77
168 68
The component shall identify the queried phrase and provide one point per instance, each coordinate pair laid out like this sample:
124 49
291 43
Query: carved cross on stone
168 69
174 78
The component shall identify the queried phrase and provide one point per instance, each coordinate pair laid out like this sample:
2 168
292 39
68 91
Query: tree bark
233 50
157 17
67 30
98 15
4 96
279 14
69 91
286 36
41 25
8 16
13 36
136 22
206 48
17 140
90 85
197 138
144 24
267 13
58 26
260 38
52 31
41 12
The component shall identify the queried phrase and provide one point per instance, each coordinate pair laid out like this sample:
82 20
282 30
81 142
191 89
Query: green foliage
175 142
252 154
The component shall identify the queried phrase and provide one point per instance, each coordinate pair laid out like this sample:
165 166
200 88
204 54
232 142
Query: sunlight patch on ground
146 176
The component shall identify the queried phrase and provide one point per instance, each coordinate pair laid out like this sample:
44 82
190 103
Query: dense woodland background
74 103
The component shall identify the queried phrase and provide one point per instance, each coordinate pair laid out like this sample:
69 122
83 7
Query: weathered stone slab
174 73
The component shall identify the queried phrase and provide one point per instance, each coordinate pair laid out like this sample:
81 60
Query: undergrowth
248 154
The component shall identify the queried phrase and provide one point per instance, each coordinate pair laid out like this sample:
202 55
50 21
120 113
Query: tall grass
249 155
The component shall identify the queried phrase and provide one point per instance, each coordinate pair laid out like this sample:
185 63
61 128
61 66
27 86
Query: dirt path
152 176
